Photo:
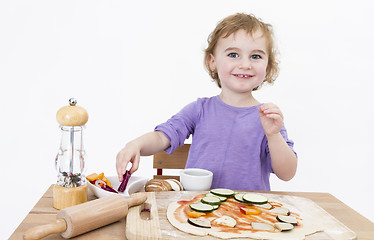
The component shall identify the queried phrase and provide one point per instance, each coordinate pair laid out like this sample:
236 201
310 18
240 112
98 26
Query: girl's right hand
130 153
146 145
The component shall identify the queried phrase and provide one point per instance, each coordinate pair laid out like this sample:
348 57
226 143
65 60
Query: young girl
235 136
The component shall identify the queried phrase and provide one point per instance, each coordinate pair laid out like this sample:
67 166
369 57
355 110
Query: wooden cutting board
139 227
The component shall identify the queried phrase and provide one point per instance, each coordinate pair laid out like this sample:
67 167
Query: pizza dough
177 216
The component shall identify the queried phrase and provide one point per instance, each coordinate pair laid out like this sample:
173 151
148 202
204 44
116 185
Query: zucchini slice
211 200
223 192
266 205
239 197
225 221
255 198
287 219
209 194
199 222
281 211
262 226
282 226
215 207
201 207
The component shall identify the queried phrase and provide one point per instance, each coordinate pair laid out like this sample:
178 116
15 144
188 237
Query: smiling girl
235 136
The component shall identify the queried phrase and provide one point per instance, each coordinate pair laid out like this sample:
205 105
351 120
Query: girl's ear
212 63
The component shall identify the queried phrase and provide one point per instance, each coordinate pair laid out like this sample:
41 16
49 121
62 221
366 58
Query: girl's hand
146 145
130 153
271 118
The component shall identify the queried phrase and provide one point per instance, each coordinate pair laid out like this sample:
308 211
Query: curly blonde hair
250 24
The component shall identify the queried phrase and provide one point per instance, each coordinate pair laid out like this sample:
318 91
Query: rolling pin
88 216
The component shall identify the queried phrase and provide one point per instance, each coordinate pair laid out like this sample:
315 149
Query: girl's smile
242 75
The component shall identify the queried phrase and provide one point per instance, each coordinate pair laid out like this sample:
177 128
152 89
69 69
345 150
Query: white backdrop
134 64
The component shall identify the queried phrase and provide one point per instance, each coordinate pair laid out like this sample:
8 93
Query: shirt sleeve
180 126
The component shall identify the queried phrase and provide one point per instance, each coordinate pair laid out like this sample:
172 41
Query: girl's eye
256 56
233 55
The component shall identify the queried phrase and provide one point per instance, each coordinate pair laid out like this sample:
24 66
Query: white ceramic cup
196 179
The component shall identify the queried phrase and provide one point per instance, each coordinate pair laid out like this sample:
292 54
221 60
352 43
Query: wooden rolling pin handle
136 199
40 232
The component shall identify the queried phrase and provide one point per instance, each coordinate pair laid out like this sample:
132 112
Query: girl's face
240 60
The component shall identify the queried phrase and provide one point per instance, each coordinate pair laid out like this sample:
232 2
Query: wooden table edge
322 199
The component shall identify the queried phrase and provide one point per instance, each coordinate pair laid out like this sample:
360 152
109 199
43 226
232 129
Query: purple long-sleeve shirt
229 141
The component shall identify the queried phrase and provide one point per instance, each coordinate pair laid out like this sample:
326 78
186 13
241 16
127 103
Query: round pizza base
298 233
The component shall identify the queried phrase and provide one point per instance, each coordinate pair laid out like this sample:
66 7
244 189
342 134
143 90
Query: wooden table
43 213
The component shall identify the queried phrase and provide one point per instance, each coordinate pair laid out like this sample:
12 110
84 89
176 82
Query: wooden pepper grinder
71 187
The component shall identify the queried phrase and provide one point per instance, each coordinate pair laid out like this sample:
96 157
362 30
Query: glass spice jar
71 188
70 158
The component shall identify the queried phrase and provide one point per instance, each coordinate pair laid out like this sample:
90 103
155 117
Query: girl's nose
245 64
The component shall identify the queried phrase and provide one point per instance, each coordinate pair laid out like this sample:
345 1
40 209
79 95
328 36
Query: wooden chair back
177 160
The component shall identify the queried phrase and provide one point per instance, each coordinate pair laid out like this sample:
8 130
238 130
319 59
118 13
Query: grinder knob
72 115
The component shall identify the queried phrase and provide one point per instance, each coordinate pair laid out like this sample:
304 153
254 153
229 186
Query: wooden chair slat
177 160
166 177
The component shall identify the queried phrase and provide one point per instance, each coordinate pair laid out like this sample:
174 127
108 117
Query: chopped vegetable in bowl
106 186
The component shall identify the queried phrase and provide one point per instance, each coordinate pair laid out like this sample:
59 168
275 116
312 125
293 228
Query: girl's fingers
121 164
135 164
274 116
269 108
